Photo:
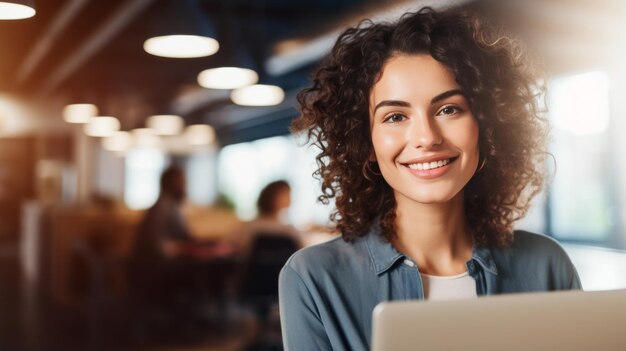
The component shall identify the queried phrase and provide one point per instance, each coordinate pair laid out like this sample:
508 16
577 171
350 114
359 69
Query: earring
368 172
482 164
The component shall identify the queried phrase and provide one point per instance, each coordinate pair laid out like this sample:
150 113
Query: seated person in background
163 231
272 205
163 279
163 234
173 272
265 244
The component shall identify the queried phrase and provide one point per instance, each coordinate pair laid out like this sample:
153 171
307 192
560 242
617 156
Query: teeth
429 165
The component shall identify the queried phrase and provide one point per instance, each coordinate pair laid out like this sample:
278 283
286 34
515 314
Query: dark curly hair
502 93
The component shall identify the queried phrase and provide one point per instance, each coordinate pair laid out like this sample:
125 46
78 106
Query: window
143 171
581 196
201 174
245 168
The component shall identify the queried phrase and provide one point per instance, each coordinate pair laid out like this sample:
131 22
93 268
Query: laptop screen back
571 320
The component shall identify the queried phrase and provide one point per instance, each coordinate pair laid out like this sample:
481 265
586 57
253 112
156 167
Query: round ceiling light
258 95
146 137
79 113
102 126
199 134
227 77
181 46
13 10
166 124
118 141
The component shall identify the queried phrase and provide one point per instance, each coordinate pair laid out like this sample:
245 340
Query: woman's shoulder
539 259
528 247
327 257
534 243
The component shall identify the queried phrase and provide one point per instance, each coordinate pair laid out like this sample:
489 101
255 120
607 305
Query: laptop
570 320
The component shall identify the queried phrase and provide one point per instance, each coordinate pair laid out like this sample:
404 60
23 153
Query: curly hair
501 90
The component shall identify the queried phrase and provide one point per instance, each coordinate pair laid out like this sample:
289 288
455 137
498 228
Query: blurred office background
74 186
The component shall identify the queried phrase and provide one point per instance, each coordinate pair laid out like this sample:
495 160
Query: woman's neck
434 235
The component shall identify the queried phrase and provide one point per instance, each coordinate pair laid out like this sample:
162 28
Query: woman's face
424 135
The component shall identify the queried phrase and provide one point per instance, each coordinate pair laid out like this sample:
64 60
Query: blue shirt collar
384 255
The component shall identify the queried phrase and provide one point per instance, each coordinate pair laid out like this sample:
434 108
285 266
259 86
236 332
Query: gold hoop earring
368 172
482 165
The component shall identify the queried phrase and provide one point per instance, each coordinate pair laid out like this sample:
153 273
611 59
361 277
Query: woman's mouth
424 166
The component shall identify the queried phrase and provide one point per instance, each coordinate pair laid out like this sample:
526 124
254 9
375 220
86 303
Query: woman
272 206
431 146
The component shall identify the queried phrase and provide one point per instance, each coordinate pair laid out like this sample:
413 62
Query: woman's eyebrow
398 103
446 95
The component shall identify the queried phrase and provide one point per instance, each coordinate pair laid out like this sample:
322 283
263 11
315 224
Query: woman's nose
425 133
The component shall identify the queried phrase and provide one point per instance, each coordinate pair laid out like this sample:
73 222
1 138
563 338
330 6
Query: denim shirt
328 291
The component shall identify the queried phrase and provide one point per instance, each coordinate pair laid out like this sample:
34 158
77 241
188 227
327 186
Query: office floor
9 298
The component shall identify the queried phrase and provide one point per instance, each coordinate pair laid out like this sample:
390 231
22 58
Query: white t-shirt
454 287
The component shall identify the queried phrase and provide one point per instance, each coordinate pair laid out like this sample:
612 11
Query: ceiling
91 51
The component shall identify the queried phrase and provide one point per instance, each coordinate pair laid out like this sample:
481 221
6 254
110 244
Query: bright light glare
258 95
101 126
143 170
118 141
79 113
227 77
15 116
580 103
166 124
199 134
11 11
146 138
181 46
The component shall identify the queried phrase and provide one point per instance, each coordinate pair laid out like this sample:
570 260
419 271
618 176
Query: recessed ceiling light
118 141
199 134
146 137
258 95
101 126
227 77
79 113
181 46
16 9
166 124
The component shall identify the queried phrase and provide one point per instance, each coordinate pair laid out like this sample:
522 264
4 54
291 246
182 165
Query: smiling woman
432 146
424 136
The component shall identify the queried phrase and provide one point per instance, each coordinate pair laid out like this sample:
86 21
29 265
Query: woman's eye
448 110
396 117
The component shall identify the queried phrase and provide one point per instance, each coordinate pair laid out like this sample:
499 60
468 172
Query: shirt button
471 266
409 262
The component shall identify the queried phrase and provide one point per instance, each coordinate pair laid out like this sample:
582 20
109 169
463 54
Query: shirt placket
473 268
414 288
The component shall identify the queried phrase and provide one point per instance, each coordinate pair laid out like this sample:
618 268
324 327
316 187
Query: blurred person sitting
163 231
265 244
272 206
164 278
173 271
164 236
